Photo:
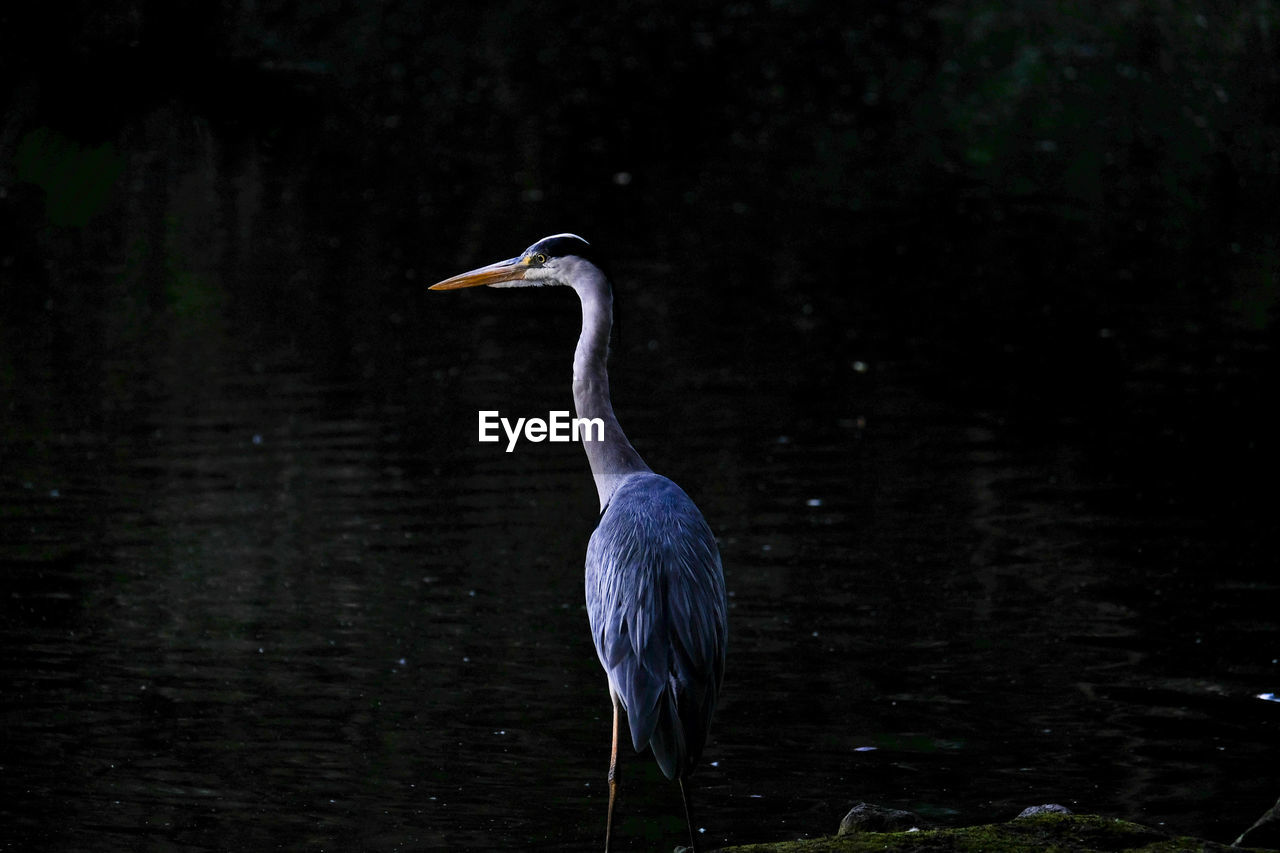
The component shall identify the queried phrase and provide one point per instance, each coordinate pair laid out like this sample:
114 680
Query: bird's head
564 259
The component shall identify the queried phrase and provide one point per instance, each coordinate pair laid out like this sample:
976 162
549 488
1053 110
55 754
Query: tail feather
668 742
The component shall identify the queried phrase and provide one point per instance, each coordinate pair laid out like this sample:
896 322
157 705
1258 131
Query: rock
866 817
1036 834
1047 808
1265 831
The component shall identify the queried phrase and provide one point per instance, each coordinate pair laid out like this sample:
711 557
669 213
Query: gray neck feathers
613 459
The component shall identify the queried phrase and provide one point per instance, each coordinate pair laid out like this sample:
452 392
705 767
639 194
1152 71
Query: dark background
944 268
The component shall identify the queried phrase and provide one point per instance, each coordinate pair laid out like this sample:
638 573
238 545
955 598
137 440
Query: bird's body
654 584
652 565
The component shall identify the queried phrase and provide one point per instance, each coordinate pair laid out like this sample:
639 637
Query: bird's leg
688 816
613 777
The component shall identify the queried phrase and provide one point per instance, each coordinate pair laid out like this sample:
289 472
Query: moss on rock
1054 833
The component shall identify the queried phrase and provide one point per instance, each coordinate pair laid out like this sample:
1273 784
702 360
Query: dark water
991 467
255 601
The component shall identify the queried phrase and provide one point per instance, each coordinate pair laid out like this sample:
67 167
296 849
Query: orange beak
511 270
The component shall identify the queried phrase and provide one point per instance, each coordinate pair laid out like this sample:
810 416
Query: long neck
613 458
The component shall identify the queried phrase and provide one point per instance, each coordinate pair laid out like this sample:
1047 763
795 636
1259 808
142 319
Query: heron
654 582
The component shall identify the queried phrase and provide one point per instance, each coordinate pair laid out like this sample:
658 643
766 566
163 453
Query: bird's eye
539 258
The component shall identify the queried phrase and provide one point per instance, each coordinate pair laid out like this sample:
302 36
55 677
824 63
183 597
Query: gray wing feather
656 601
